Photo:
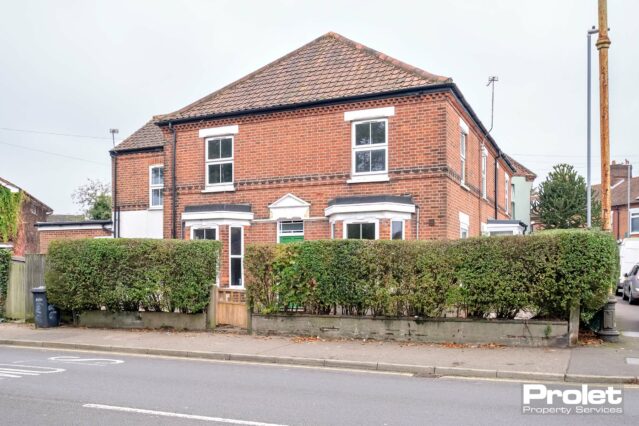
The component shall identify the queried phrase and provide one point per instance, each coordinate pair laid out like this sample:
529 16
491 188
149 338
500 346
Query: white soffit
219 131
367 114
380 208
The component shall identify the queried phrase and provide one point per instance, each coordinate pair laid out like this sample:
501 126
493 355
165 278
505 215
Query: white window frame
484 172
403 222
217 230
349 222
220 161
464 225
236 256
370 147
506 193
332 230
463 228
155 186
634 213
289 234
217 238
463 148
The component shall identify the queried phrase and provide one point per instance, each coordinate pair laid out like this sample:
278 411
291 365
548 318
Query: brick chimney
619 171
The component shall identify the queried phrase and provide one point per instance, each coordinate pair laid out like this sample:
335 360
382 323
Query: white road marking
630 333
178 415
17 371
86 361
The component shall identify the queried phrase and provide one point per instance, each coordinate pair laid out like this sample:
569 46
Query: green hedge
543 273
131 274
5 262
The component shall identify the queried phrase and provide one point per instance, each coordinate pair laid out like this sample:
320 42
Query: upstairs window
219 161
156 187
462 155
370 147
634 221
506 192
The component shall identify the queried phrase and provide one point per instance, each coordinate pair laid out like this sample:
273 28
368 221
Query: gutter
440 87
173 183
116 211
497 157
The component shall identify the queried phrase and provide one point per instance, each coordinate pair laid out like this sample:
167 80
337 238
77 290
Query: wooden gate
24 274
231 307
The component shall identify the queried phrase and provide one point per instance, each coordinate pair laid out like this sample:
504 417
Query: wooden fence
24 274
231 307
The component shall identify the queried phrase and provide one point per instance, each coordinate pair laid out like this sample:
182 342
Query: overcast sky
82 67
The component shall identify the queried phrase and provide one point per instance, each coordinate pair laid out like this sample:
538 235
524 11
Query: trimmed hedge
5 263
131 274
544 273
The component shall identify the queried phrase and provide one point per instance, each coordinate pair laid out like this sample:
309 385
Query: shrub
544 273
131 274
5 263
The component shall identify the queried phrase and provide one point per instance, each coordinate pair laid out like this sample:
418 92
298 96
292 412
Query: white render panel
369 114
219 131
142 224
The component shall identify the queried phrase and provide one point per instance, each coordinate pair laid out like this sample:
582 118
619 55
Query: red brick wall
133 179
68 234
31 212
308 152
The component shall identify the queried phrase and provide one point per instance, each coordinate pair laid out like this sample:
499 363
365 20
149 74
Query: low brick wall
149 320
440 330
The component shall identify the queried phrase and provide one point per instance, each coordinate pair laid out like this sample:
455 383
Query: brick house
624 193
32 211
333 140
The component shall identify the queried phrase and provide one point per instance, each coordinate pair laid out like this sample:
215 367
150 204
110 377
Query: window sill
219 188
368 178
155 208
463 185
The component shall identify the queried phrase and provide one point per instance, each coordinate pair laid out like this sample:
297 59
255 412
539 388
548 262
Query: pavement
55 387
600 363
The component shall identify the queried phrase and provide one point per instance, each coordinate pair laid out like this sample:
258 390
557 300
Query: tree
562 200
94 198
101 209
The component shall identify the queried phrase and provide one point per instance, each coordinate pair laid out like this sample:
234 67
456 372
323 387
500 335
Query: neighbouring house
333 140
71 227
31 211
624 195
522 189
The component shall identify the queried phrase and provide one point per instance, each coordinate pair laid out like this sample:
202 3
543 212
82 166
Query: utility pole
608 330
591 31
603 43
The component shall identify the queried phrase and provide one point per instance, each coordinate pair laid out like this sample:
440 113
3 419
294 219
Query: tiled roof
520 169
619 192
148 136
329 67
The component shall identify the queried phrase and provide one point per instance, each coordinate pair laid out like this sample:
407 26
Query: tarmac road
49 387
